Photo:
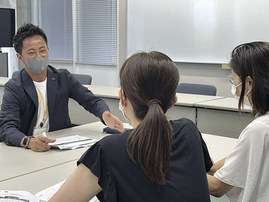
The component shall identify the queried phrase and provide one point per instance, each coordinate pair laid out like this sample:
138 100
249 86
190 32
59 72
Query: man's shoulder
14 81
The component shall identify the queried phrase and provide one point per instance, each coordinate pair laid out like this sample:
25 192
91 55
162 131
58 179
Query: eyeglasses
231 79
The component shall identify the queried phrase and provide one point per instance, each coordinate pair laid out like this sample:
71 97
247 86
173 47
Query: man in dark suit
36 100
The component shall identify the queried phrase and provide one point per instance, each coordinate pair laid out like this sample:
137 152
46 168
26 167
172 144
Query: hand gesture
112 121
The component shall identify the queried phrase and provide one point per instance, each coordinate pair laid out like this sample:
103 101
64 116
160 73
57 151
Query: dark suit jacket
19 107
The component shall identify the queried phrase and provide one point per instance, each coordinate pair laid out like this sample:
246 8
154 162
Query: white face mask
121 108
246 100
37 65
233 90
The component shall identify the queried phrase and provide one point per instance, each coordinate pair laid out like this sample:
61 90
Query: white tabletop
25 170
226 103
17 161
218 146
183 99
191 99
40 179
3 80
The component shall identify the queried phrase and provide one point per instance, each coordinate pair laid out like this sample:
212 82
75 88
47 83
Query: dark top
20 103
123 180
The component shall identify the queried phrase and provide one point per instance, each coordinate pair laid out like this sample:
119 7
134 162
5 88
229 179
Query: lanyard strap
45 110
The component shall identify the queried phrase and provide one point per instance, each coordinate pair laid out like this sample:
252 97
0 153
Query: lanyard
45 110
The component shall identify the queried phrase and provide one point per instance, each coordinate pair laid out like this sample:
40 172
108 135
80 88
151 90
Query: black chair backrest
83 78
200 89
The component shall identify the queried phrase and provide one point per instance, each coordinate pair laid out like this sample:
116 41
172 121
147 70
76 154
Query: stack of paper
73 142
15 196
45 195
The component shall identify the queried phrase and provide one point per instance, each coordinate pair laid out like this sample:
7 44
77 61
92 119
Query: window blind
55 18
96 31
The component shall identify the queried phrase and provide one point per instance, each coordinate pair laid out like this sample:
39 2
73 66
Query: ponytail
150 81
150 144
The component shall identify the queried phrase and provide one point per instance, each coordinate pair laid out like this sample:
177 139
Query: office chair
83 78
200 89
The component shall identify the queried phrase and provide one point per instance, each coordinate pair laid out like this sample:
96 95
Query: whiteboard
198 31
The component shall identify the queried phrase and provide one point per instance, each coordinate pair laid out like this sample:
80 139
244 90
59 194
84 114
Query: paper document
24 196
17 196
46 194
73 142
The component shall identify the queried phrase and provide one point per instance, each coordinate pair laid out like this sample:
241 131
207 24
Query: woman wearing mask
158 160
244 175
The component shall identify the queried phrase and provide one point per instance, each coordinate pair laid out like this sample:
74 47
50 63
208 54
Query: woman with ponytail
158 160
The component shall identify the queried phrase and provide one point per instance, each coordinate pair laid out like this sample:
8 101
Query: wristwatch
26 141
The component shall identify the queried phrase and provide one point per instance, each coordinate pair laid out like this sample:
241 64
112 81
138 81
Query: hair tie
154 101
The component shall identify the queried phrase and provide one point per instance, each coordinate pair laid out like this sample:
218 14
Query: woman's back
123 180
159 160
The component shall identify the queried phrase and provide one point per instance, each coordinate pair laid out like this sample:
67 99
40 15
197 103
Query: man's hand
112 121
40 143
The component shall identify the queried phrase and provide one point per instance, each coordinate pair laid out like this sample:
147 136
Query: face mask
246 100
233 90
37 65
121 109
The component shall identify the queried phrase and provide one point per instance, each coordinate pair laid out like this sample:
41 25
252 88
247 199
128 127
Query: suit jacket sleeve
85 97
10 115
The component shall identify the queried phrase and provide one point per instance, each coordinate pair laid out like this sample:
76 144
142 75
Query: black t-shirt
122 179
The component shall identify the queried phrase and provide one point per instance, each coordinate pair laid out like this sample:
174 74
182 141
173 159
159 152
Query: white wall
101 75
8 4
189 72
211 74
203 31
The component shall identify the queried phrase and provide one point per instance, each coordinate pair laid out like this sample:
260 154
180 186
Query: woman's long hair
149 81
252 59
